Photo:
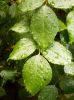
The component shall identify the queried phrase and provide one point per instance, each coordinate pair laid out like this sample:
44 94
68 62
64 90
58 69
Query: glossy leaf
69 69
58 54
36 74
28 5
22 49
44 26
61 4
70 26
48 93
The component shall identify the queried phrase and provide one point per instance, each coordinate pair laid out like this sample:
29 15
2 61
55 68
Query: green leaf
28 5
22 25
2 92
69 69
48 93
61 4
70 26
8 74
67 85
62 26
44 26
23 48
36 74
58 54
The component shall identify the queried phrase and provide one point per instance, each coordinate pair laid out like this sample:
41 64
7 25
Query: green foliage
58 54
37 46
21 26
36 73
44 26
62 26
48 93
23 48
70 26
27 5
67 85
8 74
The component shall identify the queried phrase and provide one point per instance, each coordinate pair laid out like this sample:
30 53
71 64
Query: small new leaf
58 54
22 49
37 73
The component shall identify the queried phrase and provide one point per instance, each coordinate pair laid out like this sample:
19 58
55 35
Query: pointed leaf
62 26
22 26
36 74
58 54
44 26
23 48
48 93
70 26
69 69
27 5
62 4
